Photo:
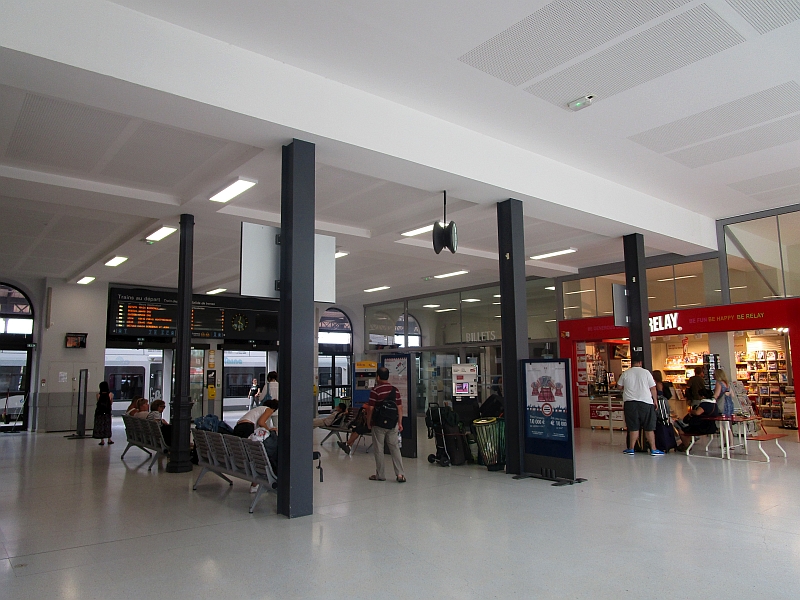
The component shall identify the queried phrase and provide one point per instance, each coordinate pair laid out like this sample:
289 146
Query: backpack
207 423
385 413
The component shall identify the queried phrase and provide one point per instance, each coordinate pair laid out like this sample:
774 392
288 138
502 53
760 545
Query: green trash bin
491 434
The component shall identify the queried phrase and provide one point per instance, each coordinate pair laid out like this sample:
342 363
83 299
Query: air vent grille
766 15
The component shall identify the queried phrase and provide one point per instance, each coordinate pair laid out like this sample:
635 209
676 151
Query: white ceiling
697 104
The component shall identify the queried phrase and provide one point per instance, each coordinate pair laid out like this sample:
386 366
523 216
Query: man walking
640 401
385 412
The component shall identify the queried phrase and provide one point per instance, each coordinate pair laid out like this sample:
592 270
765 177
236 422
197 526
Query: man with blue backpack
385 412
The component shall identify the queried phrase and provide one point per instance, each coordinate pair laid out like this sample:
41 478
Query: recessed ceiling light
552 254
216 291
159 235
495 303
242 184
453 274
340 254
377 289
550 321
552 288
116 261
676 278
85 280
577 292
496 296
446 310
498 317
580 103
471 300
571 307
419 230
431 305
735 287
691 304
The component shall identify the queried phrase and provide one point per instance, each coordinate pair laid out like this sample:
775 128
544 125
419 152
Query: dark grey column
636 284
296 332
181 410
514 327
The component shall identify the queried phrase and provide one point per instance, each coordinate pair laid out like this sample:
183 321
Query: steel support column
514 326
296 331
636 285
181 410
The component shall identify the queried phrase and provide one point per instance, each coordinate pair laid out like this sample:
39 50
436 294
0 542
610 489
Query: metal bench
224 454
145 435
766 437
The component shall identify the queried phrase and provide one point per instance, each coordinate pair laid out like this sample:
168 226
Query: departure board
142 313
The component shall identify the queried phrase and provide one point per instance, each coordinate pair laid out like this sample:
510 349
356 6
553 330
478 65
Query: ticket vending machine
364 379
465 381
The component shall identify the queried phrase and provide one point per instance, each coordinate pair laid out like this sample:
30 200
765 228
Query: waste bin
491 434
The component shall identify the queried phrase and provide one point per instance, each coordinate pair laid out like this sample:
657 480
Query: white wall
79 309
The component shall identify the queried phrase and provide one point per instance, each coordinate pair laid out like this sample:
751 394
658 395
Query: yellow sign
212 392
212 359
366 365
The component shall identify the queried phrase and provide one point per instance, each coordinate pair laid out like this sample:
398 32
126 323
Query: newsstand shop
750 341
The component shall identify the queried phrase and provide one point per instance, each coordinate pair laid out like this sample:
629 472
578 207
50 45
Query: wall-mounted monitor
75 340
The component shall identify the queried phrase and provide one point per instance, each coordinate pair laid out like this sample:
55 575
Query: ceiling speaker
445 237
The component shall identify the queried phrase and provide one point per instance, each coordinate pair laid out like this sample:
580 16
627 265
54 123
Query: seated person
335 419
156 414
144 409
134 406
698 422
260 416
359 426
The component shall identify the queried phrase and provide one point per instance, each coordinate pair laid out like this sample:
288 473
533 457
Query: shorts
640 415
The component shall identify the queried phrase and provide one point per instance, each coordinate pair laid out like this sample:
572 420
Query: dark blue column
514 327
636 284
296 331
181 402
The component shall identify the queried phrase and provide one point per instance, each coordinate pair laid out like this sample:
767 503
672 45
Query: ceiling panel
66 250
557 33
767 182
62 134
787 195
752 140
677 42
160 156
46 267
766 15
778 101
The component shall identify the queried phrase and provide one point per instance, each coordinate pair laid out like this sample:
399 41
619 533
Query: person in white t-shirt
640 401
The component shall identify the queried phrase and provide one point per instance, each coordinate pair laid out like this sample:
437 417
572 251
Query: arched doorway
335 358
16 356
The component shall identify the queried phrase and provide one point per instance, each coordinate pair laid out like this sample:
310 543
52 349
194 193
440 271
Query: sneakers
657 452
629 451
254 488
344 447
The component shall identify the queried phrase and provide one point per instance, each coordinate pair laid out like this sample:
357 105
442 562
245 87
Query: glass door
13 385
197 363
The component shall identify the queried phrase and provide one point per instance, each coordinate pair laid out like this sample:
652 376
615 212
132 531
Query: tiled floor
76 522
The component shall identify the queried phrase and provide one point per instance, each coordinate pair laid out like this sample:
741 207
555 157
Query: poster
546 400
398 374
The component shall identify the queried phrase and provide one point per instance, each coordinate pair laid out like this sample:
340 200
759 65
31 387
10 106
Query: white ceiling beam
266 216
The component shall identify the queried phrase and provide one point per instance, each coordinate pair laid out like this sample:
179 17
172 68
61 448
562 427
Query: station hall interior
678 120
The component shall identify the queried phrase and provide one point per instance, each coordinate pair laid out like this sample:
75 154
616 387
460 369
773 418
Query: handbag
260 434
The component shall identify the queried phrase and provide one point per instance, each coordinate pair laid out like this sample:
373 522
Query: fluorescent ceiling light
116 261
498 317
496 296
550 321
377 289
552 288
216 291
571 307
676 278
735 287
692 304
552 254
495 303
161 234
340 254
431 305
418 230
577 292
242 184
446 310
453 274
471 300
85 280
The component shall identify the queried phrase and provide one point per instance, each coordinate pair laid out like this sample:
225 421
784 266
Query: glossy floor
76 522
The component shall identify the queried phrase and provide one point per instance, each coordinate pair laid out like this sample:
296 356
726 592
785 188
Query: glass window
605 300
579 298
541 297
414 332
754 260
790 251
697 284
480 315
13 302
380 323
661 288
438 318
